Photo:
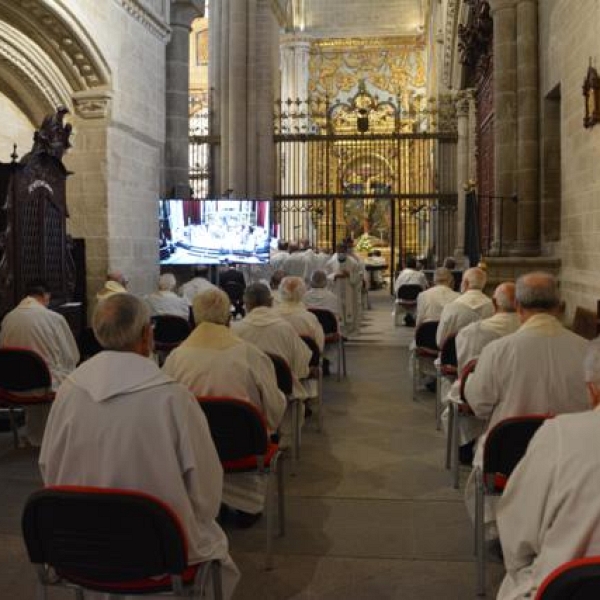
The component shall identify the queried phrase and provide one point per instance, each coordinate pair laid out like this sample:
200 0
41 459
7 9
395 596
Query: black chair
235 291
169 332
406 299
331 328
112 541
447 369
88 344
577 579
243 444
24 381
505 445
426 351
316 373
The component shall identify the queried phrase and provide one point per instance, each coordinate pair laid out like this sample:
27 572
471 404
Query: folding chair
235 291
169 332
446 369
426 351
406 299
456 411
242 441
505 445
24 381
88 344
115 541
577 579
285 383
333 335
315 367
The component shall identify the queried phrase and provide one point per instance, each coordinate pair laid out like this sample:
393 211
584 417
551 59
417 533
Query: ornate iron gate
370 171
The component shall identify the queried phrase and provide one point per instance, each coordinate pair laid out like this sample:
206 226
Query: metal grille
202 149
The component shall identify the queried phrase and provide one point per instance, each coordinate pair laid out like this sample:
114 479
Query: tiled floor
370 511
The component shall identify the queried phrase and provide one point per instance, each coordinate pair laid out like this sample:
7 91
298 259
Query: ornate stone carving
449 41
92 105
475 39
151 21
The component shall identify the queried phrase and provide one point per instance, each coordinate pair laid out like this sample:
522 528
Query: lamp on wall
591 94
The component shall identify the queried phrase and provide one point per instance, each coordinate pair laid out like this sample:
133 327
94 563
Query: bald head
473 279
504 297
537 292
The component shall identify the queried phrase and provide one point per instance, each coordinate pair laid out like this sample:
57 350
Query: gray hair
318 279
257 294
538 290
167 282
476 278
292 289
591 364
443 276
504 296
119 320
211 306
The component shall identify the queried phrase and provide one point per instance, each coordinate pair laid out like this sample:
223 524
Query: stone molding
152 22
449 40
92 104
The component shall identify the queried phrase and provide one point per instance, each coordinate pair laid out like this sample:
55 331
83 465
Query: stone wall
16 129
568 38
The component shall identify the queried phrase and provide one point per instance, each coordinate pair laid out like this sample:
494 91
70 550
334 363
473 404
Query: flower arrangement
364 243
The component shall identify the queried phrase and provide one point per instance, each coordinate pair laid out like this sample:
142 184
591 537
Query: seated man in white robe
119 422
32 325
199 283
431 302
536 370
116 283
410 275
165 301
344 274
472 305
293 310
213 361
549 512
264 328
470 341
318 296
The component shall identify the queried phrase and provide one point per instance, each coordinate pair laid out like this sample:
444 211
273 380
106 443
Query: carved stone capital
92 104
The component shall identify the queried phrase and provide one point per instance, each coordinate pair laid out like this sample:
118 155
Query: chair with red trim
426 351
456 410
577 579
505 445
333 335
169 332
447 369
243 444
25 380
316 375
285 383
120 542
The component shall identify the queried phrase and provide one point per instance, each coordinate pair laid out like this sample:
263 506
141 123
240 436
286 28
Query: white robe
303 321
278 259
294 265
536 370
348 291
468 307
410 277
549 513
110 288
431 302
264 328
31 325
195 286
321 298
212 361
164 302
119 422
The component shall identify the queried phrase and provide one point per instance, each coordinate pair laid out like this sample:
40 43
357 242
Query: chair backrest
585 323
22 369
237 427
170 329
448 352
315 359
505 445
578 579
409 292
88 344
103 535
425 336
328 320
285 381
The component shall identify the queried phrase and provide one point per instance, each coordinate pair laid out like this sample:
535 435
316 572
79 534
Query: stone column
462 170
505 110
176 178
527 170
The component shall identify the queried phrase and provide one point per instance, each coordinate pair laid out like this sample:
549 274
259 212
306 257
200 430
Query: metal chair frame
426 351
446 369
315 363
333 335
406 299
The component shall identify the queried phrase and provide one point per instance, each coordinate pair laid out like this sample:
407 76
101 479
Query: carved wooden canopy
475 40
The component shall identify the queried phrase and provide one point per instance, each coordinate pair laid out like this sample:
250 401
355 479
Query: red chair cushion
249 463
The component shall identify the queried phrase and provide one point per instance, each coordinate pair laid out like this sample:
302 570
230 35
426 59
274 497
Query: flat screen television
212 232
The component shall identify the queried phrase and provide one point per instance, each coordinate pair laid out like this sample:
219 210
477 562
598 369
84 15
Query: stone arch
47 58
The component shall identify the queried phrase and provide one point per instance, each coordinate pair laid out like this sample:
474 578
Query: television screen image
214 231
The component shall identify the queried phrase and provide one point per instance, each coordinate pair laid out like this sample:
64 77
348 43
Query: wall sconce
591 94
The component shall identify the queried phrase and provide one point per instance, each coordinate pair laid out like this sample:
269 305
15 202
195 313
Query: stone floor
371 513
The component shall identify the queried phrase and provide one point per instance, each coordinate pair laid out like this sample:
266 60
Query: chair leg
455 445
217 581
320 401
298 406
480 532
449 434
343 345
280 495
438 401
339 359
270 517
416 374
